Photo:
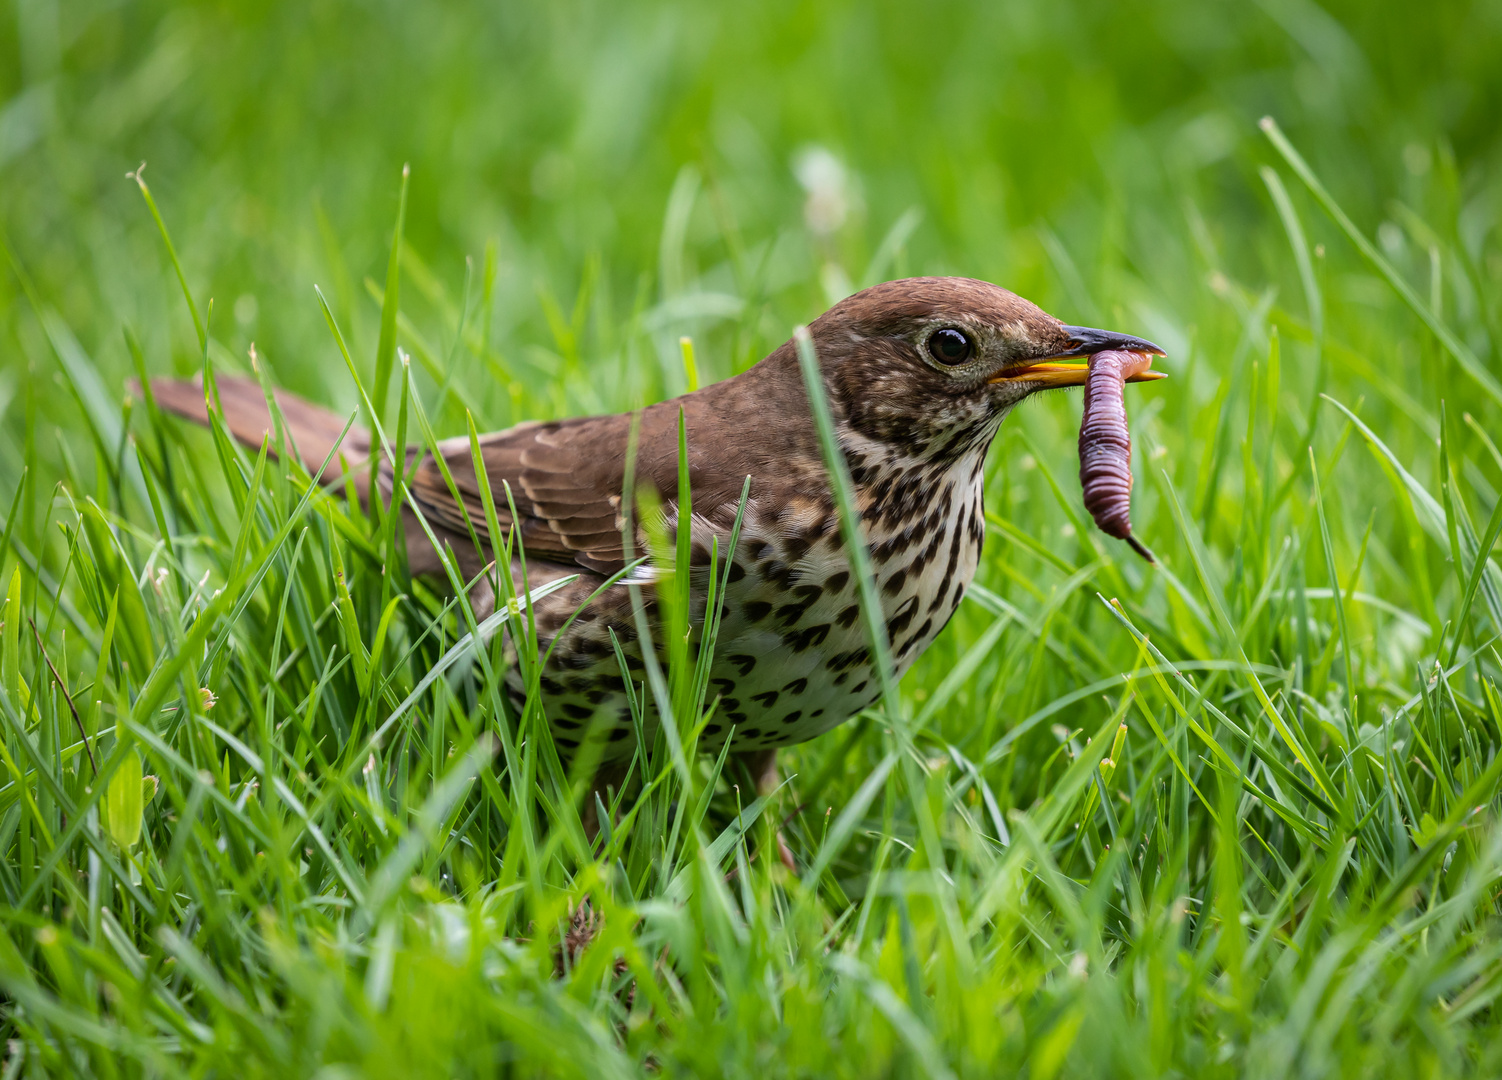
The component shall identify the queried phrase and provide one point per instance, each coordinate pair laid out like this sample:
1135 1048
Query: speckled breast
792 658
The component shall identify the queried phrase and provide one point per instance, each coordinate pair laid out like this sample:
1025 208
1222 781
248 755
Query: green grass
1237 815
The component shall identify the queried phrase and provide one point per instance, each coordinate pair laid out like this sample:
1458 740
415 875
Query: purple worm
1106 446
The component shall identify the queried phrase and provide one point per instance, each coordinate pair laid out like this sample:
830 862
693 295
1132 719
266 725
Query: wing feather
565 480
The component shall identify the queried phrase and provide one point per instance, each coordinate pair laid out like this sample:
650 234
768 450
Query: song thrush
919 376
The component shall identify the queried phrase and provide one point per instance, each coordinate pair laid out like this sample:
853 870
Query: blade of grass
1452 344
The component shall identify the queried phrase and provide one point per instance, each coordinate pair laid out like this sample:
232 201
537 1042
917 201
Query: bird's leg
608 777
762 765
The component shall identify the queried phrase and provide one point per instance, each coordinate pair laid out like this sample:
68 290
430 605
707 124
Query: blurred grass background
1070 151
624 174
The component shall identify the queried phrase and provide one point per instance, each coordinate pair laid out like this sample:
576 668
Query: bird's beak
1048 372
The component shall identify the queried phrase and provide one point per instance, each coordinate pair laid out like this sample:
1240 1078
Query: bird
919 375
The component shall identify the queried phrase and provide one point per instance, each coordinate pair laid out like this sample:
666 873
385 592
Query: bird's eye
950 346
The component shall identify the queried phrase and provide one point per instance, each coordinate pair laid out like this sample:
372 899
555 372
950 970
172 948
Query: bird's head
933 365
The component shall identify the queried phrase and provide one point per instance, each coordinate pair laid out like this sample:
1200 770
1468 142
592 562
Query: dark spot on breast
550 686
762 550
841 661
816 714
756 610
799 640
724 686
736 571
619 733
730 704
745 663
736 717
954 560
766 700
848 616
795 548
897 544
894 583
777 573
901 618
858 687
793 717
713 729
594 697
698 554
592 646
797 686
808 594
567 725
569 744
788 614
927 553
837 581
578 712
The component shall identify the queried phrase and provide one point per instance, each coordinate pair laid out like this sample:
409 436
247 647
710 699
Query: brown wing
565 479
566 476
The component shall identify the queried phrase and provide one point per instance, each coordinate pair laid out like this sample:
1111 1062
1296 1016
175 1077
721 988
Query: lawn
263 811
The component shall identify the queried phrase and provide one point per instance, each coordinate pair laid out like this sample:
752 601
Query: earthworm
1106 445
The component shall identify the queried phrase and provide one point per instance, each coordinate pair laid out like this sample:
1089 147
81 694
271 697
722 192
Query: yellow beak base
1049 375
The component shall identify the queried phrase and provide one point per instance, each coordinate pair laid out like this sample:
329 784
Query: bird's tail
313 432
316 435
